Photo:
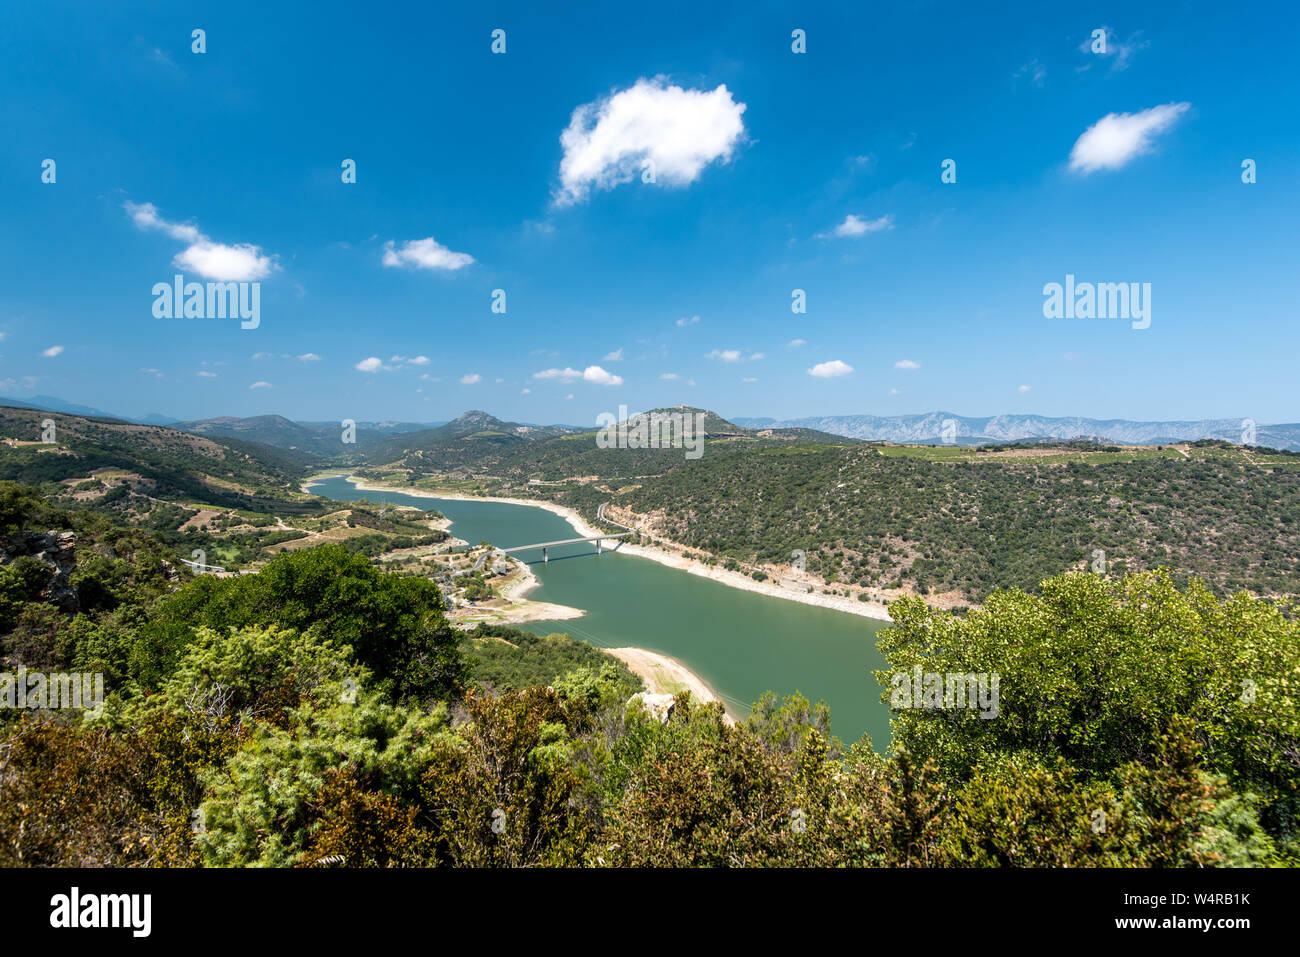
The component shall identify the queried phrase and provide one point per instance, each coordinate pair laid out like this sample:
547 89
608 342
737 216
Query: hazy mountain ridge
929 428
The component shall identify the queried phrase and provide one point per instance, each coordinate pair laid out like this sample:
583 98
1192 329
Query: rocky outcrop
660 706
57 551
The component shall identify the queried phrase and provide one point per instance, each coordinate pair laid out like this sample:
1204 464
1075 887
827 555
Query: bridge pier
598 541
545 557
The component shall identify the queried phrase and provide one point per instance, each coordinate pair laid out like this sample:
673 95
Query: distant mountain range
319 438
929 428
381 439
49 403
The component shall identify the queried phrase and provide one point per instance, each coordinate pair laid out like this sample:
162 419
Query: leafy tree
393 624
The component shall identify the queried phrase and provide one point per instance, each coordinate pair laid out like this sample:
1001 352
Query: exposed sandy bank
665 675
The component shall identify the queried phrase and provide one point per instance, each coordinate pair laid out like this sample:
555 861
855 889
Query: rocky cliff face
58 552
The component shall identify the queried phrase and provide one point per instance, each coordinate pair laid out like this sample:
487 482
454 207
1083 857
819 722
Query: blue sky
1122 166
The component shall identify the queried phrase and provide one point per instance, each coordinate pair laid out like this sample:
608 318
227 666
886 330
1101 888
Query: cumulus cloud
830 370
425 253
241 262
598 376
688 320
680 131
564 375
908 364
615 356
796 343
472 378
260 385
1117 138
669 376
371 364
593 374
52 351
726 355
854 226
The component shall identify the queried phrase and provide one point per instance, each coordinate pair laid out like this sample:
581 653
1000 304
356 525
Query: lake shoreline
664 674
873 610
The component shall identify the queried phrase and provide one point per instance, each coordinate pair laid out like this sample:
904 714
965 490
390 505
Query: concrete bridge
199 567
545 546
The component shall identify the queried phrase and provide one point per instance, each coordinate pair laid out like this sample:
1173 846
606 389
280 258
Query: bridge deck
565 541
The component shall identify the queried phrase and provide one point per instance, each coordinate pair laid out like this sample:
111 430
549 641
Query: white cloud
796 343
371 364
156 373
52 351
472 378
1117 138
145 216
895 391
908 364
205 375
830 370
424 254
854 226
409 360
615 356
309 357
599 376
748 379
669 376
525 391
593 374
263 355
564 375
680 131
241 262
1024 388
688 320
726 355
260 385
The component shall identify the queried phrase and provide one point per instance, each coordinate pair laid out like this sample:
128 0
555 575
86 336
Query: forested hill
479 443
221 471
322 439
877 521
